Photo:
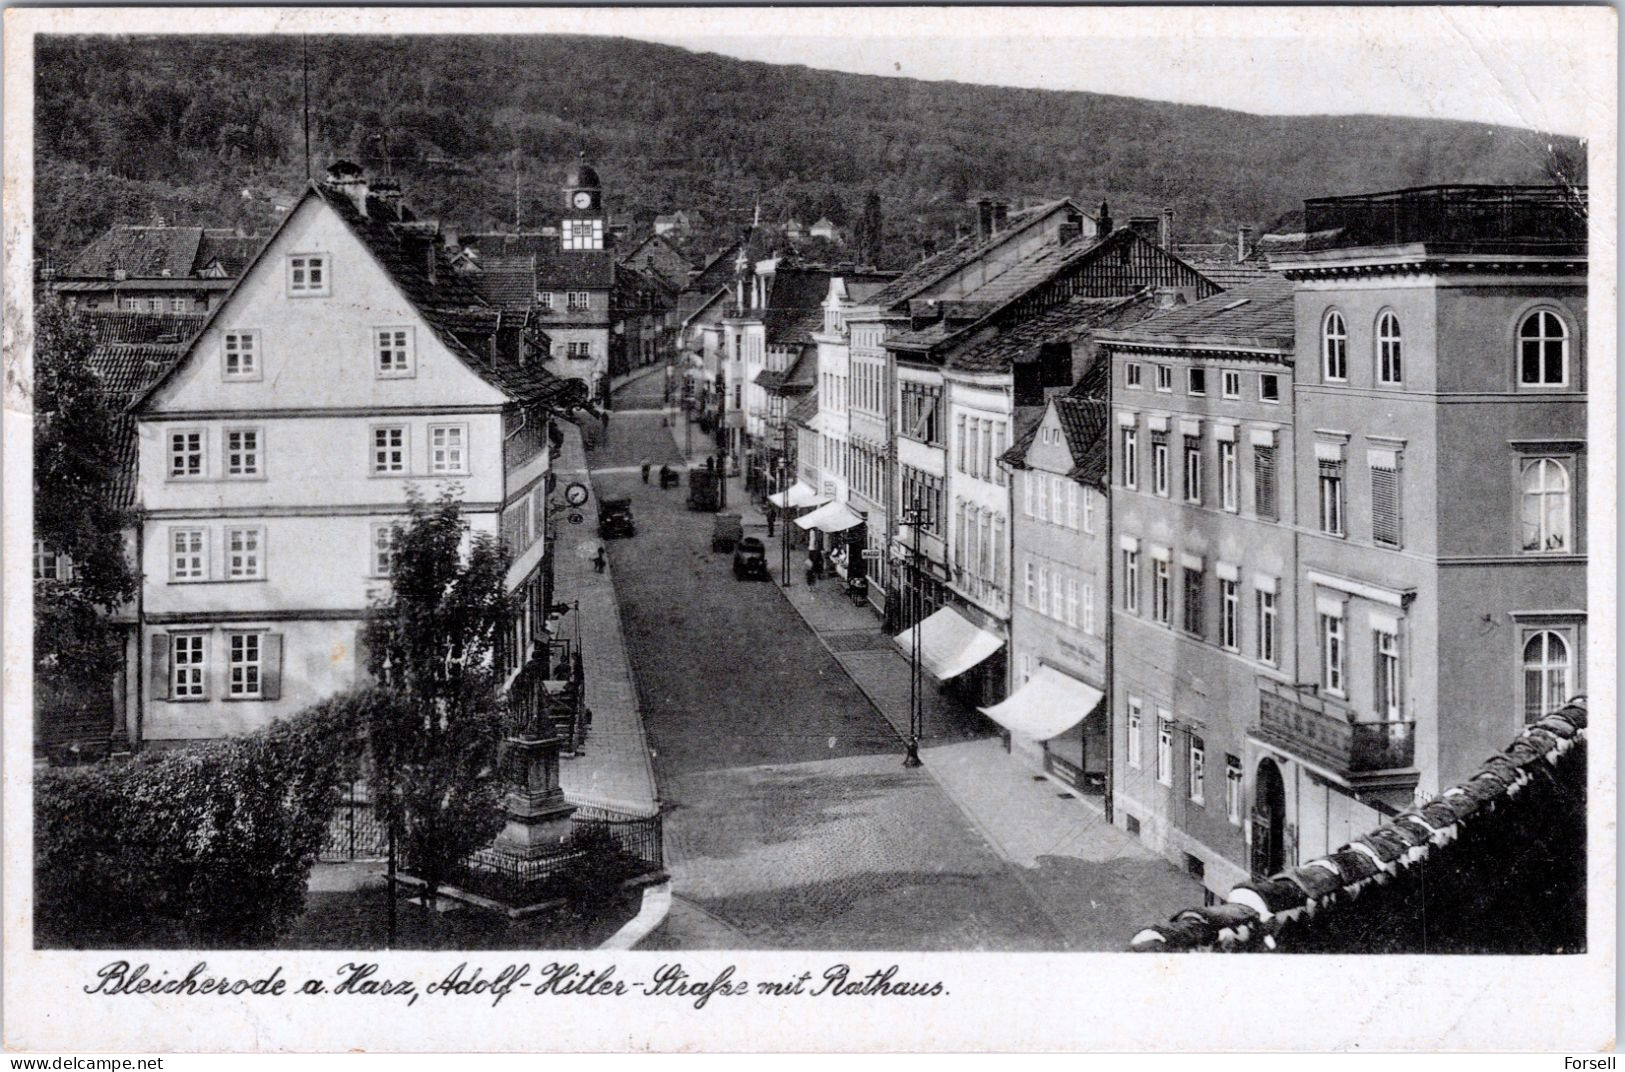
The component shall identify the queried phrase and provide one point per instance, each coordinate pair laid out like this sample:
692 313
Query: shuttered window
1193 602
1385 515
1264 482
1331 498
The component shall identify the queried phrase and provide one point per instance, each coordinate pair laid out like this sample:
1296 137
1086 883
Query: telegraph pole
784 490
913 519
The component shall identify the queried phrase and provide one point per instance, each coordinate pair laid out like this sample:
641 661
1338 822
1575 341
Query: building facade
1057 618
352 350
1203 519
1418 558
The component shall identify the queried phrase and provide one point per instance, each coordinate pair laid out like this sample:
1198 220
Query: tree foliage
432 638
75 468
206 846
669 129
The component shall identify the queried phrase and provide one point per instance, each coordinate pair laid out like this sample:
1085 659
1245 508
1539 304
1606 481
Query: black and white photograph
834 528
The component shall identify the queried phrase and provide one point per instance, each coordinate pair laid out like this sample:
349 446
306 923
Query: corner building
1427 557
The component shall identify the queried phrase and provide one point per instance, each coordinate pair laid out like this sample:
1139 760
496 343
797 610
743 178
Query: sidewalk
1095 882
614 769
618 382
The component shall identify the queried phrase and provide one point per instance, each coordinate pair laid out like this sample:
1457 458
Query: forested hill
133 128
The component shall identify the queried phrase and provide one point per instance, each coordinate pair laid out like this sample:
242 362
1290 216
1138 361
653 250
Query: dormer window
308 276
544 300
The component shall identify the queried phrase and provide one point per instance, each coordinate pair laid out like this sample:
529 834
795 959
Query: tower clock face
583 199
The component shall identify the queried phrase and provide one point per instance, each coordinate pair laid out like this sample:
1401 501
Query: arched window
1543 350
1547 515
1390 362
1334 347
1546 669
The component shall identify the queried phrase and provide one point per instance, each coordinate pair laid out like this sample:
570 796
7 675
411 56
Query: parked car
615 518
750 558
726 529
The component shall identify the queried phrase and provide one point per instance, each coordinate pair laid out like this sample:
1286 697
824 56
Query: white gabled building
348 366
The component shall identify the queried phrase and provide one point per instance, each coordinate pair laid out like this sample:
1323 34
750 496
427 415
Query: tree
871 231
432 637
76 646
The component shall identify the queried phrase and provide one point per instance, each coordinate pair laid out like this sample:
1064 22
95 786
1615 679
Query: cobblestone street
791 822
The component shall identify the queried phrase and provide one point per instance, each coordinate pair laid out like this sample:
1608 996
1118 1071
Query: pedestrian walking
770 515
812 568
599 560
645 471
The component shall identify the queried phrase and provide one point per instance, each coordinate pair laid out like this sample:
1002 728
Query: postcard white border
995 1002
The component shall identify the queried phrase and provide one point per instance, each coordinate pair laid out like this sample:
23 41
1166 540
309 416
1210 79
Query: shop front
1054 721
835 545
955 651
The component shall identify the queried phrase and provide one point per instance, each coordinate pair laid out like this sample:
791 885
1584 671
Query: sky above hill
1537 67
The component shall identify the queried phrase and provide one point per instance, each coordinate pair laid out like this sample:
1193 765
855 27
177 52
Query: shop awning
949 644
796 495
1048 705
831 517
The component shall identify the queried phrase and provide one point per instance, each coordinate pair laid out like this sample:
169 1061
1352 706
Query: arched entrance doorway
1269 820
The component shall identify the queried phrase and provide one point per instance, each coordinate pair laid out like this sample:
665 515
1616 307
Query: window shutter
1264 481
271 666
158 667
1385 506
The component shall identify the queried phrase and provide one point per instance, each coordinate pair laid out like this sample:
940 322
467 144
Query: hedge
206 846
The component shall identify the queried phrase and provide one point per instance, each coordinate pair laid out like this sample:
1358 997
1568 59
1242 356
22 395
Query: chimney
385 199
928 246
348 179
1166 233
1244 243
1145 226
1001 216
984 219
1103 220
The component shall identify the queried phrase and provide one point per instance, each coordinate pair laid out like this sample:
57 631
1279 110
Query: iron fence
354 831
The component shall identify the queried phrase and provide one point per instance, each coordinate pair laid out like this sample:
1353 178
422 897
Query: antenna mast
304 42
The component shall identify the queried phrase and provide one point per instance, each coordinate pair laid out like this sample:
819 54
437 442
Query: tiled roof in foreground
1415 847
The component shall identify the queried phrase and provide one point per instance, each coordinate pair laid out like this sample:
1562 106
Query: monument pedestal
538 814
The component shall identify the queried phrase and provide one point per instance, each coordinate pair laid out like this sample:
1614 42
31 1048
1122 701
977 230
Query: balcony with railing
1464 219
1327 734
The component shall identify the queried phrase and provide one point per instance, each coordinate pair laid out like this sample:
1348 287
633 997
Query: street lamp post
914 517
784 522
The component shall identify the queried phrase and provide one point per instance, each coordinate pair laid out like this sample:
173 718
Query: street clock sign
576 493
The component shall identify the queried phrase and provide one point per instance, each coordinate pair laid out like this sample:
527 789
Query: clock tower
582 224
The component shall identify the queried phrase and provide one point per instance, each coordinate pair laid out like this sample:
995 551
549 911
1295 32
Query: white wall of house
313 402
834 417
978 490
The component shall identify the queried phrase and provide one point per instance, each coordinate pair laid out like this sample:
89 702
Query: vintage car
615 518
750 558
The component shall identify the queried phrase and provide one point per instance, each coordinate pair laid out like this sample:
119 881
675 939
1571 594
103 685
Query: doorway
1269 820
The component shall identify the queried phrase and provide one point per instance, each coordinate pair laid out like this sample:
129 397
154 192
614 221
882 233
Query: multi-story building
1027 333
154 269
642 307
349 367
1415 421
574 266
859 431
1202 548
658 256
1057 621
1440 425
915 468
